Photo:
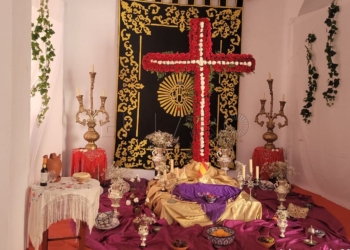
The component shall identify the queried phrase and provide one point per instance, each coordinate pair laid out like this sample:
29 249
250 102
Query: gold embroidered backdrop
148 101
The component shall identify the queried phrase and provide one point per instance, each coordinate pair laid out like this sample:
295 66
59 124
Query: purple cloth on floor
191 192
125 237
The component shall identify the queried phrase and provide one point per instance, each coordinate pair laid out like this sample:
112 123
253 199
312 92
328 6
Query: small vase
225 157
282 188
282 224
158 156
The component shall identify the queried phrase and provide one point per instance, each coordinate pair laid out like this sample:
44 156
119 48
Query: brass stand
270 136
91 135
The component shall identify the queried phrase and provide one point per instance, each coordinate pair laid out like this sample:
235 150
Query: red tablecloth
91 161
262 155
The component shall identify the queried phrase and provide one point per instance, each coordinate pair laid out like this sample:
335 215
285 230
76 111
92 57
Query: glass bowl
265 241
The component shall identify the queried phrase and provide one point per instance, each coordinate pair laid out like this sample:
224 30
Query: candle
103 92
251 166
243 171
283 96
177 172
263 96
257 172
172 166
92 69
269 76
164 174
78 92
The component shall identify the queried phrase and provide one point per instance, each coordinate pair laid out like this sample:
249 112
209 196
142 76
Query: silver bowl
320 233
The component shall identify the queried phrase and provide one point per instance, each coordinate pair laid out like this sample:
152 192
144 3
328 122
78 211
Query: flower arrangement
161 167
282 214
278 169
227 137
162 139
201 61
114 172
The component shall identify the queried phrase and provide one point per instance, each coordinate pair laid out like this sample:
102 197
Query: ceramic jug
55 163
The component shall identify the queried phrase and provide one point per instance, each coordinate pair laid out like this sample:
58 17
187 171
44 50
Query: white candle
243 171
172 166
164 174
257 172
92 69
283 96
103 92
77 90
251 166
269 76
263 96
177 172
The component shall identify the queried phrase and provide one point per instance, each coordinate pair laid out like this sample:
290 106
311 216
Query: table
92 161
59 201
262 156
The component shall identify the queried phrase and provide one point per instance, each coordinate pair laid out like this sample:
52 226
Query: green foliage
44 52
333 80
312 80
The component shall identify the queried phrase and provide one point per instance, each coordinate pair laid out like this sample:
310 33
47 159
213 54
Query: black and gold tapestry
149 101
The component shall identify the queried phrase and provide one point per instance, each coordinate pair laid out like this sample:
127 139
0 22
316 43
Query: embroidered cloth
59 201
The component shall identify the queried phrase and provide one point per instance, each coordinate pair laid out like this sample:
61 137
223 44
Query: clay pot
55 163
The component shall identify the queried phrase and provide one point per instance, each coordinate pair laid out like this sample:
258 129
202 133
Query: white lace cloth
59 201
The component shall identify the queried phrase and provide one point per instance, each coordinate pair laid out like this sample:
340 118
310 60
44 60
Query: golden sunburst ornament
175 94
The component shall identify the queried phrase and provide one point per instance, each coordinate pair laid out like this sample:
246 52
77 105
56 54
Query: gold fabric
190 213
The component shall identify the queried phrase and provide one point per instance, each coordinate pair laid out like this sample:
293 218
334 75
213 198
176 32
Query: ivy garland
312 80
44 52
333 80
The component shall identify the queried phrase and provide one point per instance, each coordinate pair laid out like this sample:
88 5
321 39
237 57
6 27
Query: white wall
14 128
90 31
320 150
48 137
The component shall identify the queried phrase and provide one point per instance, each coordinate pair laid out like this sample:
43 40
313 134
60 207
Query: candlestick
92 69
283 96
263 97
77 90
91 135
177 172
270 136
257 172
172 166
243 171
103 92
250 166
269 76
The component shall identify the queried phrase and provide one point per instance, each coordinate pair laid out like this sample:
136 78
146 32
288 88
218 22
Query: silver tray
266 185
106 221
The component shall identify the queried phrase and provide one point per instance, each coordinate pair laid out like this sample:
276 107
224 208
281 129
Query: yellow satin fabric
190 213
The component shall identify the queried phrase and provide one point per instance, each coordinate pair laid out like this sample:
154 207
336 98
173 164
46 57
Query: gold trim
138 114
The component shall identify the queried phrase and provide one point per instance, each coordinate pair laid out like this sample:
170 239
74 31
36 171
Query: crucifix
201 61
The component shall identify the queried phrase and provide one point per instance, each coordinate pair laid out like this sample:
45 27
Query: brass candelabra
91 135
270 136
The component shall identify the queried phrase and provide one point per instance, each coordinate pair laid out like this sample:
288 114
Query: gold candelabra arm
81 110
261 123
262 112
281 114
103 111
270 82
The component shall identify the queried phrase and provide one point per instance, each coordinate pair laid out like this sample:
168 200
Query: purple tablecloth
192 192
125 237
